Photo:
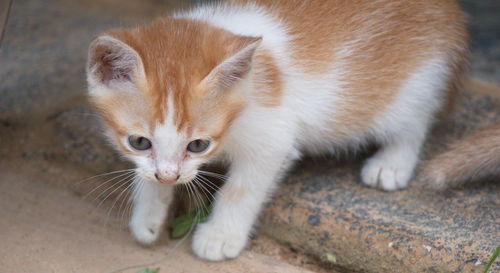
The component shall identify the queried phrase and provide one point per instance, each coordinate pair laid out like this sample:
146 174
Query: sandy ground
49 229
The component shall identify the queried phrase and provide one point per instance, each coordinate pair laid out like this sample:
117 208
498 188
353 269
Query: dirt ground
49 228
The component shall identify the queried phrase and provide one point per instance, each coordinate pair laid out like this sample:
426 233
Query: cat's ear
235 67
112 63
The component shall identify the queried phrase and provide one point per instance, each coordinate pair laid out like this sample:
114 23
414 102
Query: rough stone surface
321 207
484 22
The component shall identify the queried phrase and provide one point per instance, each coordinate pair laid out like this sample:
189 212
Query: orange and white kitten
258 83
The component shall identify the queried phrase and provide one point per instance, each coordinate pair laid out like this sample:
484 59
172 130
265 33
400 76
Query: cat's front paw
213 244
386 174
144 231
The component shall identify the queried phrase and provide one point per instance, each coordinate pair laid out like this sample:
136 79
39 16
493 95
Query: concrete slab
323 208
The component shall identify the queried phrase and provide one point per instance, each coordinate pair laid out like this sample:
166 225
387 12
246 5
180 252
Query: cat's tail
469 159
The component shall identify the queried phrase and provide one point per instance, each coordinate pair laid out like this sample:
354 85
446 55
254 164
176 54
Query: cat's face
167 100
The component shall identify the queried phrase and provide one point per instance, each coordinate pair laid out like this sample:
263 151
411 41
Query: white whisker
118 198
123 182
204 189
216 175
102 174
104 183
211 185
135 195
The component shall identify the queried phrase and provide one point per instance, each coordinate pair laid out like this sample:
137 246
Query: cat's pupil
139 143
198 145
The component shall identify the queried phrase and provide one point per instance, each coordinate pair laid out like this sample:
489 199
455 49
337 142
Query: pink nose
167 178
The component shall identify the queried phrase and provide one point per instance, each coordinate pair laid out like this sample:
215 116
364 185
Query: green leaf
149 270
181 225
181 219
331 258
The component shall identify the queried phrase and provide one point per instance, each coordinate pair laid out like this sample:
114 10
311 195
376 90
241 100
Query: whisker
189 197
204 189
209 200
211 185
118 198
196 203
199 201
167 254
135 195
128 198
104 183
202 204
123 182
192 200
102 174
209 182
112 185
216 175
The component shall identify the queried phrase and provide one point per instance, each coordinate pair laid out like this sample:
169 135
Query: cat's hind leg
402 128
392 166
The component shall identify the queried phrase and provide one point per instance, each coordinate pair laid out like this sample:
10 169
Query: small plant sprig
492 259
181 227
183 223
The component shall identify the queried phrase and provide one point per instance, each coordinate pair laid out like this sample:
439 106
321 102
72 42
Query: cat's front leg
251 182
151 202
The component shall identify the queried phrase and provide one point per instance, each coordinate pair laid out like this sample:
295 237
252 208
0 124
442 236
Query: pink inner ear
237 66
111 60
109 68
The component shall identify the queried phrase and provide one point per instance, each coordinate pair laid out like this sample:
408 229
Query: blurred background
50 141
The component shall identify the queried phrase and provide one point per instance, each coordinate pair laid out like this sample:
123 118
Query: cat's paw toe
213 244
145 233
389 176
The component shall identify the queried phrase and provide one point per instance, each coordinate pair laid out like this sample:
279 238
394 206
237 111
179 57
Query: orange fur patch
234 193
268 79
174 71
390 39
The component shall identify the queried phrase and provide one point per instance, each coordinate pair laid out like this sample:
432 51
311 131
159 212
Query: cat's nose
167 177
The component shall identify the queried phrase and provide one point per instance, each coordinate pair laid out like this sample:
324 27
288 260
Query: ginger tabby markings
257 84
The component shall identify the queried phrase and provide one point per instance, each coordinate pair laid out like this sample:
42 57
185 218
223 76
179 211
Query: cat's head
168 93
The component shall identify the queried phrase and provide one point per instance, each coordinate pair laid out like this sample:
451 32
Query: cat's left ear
232 69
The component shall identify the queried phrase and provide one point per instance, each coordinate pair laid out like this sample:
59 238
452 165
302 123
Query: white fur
151 203
403 127
263 142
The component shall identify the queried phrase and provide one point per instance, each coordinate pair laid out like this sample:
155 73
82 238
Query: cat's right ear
112 64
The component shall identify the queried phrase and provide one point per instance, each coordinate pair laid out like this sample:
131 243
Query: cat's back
352 52
319 29
365 35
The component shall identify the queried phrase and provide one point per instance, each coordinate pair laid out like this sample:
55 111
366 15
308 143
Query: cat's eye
198 145
139 143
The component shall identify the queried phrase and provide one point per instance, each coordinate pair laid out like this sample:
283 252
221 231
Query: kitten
258 83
